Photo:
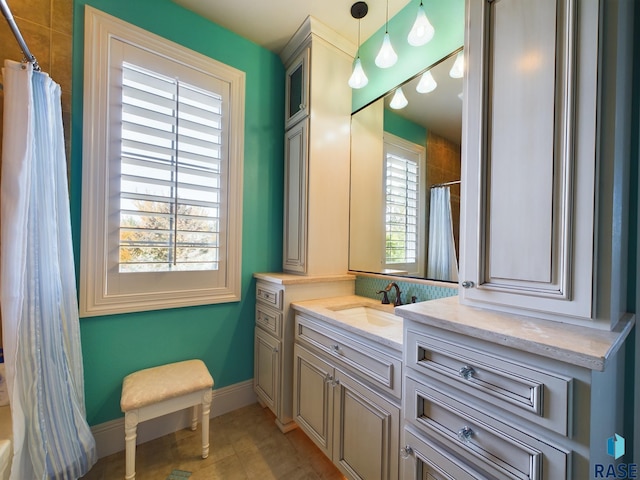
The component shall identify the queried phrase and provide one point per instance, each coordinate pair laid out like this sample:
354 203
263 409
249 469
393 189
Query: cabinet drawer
538 396
268 295
424 460
378 368
502 451
270 319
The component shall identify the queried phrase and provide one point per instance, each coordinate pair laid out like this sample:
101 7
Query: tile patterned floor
245 445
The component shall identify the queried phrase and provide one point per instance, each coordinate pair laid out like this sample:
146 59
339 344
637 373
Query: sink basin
369 315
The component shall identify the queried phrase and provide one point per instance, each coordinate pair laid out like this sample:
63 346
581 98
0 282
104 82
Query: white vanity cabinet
492 395
347 399
317 151
273 341
540 166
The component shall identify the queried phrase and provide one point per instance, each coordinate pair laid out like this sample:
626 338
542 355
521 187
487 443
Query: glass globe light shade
358 78
427 83
458 66
422 30
399 100
386 57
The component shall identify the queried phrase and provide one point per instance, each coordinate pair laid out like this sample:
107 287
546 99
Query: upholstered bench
157 391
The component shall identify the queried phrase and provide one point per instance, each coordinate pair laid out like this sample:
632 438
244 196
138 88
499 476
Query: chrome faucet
388 288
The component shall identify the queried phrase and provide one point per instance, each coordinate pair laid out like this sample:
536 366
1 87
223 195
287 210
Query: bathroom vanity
274 334
347 383
494 395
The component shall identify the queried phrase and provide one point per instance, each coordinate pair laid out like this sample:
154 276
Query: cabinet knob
406 451
328 378
468 284
301 106
464 434
335 348
466 372
275 350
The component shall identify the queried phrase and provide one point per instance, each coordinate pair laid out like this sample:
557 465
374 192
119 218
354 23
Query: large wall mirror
405 178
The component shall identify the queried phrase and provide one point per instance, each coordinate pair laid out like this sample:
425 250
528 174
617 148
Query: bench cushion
152 385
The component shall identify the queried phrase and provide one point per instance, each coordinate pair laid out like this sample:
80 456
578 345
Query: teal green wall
221 335
403 128
447 18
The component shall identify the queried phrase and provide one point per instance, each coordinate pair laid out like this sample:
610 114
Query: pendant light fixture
427 83
422 30
457 71
386 57
399 100
358 78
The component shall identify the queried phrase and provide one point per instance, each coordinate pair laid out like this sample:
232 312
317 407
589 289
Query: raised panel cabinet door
366 431
295 199
526 198
266 375
313 381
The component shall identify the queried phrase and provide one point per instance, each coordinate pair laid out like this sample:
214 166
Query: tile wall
368 286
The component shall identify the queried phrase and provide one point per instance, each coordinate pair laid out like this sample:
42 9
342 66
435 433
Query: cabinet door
266 375
528 170
295 199
366 431
312 397
297 89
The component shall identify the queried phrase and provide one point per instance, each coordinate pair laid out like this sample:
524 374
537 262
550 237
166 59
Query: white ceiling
271 23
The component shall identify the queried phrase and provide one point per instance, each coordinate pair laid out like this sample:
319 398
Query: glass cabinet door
297 89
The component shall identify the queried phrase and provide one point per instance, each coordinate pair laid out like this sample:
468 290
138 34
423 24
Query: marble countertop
386 330
573 344
292 279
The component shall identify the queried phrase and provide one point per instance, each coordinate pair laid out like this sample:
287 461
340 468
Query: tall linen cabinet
316 205
317 151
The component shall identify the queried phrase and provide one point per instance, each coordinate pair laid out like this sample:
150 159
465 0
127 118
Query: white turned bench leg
130 434
194 418
206 407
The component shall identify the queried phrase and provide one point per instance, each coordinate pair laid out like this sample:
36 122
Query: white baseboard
110 435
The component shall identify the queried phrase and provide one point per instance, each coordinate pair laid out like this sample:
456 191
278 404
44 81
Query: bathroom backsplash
368 286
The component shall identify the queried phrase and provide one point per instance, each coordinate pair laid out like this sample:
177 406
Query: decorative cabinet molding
531 162
317 151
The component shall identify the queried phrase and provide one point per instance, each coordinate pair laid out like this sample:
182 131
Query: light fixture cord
386 25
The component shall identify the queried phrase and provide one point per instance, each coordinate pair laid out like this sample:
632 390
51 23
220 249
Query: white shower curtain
442 263
41 333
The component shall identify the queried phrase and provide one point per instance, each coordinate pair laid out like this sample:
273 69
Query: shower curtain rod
6 11
441 184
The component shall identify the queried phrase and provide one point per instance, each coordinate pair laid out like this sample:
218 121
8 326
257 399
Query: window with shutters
162 173
404 205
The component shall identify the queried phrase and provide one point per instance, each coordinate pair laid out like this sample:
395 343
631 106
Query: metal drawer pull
328 378
468 284
335 348
275 350
464 434
466 372
406 451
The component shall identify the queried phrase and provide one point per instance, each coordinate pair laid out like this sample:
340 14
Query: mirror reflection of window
403 203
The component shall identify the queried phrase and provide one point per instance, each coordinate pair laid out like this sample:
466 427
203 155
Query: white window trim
100 28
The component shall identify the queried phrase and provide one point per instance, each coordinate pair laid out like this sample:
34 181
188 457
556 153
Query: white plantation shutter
401 200
170 174
162 173
404 204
